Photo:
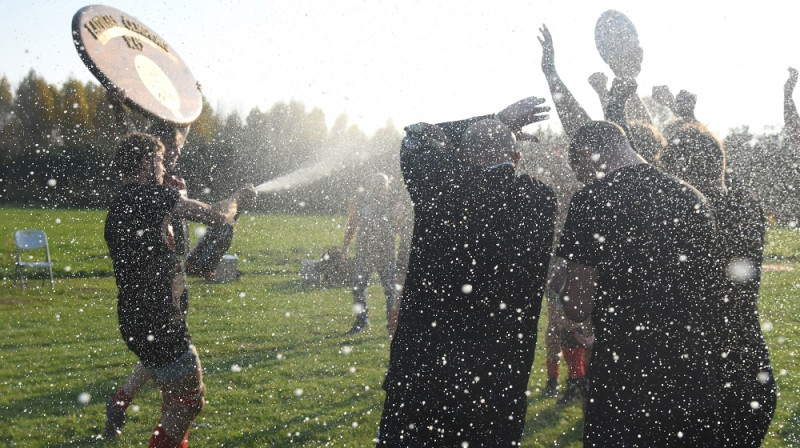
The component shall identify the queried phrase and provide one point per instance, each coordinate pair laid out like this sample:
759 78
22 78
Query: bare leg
138 378
182 399
118 404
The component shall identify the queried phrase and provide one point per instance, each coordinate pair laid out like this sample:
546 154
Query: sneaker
573 392
551 388
115 419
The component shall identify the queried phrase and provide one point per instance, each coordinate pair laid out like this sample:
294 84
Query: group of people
660 252
654 276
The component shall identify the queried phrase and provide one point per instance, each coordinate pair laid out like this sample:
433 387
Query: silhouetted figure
746 385
461 356
638 245
373 223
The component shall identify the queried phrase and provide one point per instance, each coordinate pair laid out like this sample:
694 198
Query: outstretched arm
791 119
516 116
570 112
218 213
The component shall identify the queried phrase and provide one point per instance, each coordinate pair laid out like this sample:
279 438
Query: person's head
695 155
647 138
378 183
593 149
140 156
173 137
487 143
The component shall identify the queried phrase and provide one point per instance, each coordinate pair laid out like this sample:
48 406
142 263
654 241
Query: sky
415 60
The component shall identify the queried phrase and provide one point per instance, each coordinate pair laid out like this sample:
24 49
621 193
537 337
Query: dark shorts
156 334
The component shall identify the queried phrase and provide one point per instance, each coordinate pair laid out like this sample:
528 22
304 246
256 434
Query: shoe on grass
115 419
551 388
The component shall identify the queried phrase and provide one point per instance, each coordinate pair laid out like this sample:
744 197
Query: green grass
279 369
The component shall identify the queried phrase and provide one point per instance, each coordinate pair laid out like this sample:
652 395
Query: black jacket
462 353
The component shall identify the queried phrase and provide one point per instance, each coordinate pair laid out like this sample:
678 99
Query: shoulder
536 190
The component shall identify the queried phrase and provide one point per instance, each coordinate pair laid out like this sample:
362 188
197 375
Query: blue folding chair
31 240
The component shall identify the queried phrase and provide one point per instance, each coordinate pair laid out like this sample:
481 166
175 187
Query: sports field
279 368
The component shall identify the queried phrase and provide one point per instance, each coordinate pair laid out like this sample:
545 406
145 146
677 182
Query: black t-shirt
141 249
651 239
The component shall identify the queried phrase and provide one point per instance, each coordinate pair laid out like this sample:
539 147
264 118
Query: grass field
279 368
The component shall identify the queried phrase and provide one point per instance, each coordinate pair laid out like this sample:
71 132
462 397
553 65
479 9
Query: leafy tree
35 106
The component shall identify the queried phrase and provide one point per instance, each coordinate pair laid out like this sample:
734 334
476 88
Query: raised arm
791 119
621 91
570 112
682 106
123 124
516 116
599 82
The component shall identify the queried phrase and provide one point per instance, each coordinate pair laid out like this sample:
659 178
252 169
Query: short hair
694 154
166 131
132 149
600 137
487 135
647 140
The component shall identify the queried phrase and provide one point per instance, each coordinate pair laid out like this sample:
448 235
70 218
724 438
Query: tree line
56 143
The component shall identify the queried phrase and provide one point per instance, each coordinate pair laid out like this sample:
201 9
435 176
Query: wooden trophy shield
618 43
123 53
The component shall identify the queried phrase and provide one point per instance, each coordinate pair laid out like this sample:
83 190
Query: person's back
464 346
645 241
653 318
746 386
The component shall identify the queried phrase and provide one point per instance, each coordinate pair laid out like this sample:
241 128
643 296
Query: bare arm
352 226
791 119
214 214
578 291
570 112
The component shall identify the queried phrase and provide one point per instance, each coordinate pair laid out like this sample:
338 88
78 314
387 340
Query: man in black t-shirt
638 245
147 271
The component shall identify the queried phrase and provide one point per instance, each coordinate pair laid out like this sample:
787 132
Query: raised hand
663 96
524 112
599 82
684 104
621 89
548 53
788 88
